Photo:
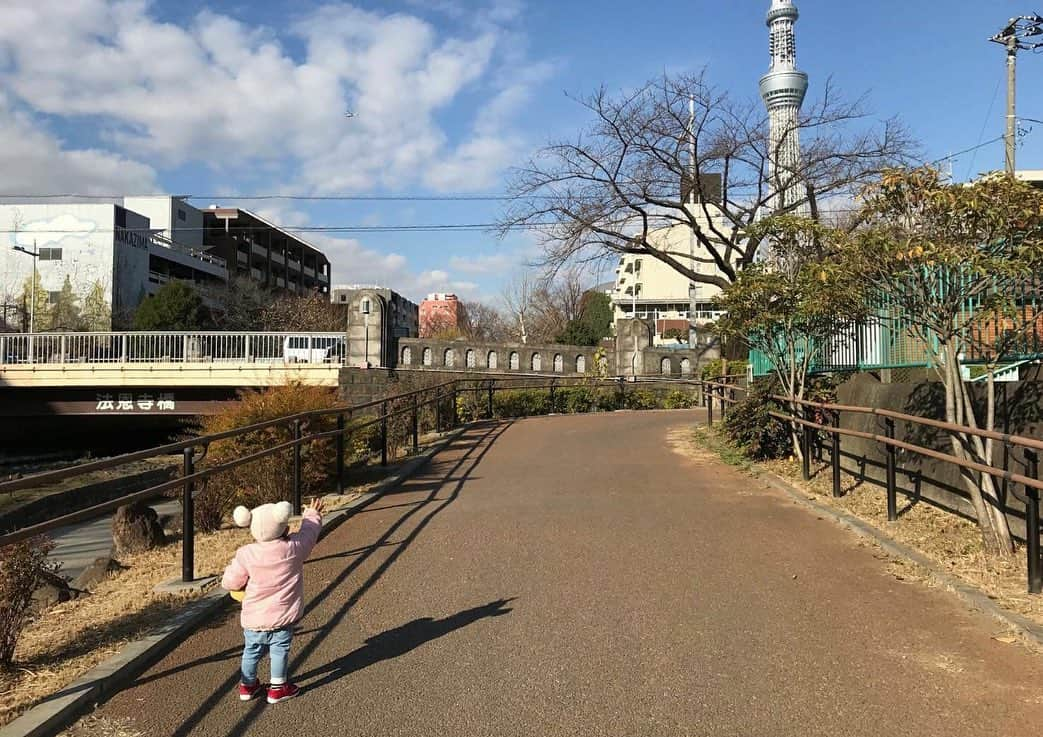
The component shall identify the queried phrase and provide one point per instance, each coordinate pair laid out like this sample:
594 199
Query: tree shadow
399 641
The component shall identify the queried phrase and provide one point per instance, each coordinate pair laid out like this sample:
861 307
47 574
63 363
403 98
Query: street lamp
35 253
1013 38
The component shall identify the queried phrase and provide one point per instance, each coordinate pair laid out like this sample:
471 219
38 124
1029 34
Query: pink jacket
273 575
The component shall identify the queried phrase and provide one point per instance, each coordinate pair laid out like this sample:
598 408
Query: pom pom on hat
266 522
241 516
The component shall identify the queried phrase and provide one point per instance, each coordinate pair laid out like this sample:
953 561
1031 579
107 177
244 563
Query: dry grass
93 726
70 638
952 542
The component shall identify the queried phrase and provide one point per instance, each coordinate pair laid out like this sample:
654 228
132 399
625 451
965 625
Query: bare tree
517 298
484 323
629 174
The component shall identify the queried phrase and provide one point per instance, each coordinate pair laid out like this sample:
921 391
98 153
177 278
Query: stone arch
407 356
666 366
426 357
492 360
581 364
514 361
686 367
559 363
536 362
469 358
449 358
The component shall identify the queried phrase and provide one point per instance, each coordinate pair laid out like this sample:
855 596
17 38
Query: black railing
379 412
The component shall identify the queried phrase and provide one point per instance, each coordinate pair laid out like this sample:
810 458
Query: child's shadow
400 640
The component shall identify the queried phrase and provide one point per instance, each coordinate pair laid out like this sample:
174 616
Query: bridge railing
171 347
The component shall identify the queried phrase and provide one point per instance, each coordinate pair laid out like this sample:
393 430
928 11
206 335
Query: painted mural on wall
74 267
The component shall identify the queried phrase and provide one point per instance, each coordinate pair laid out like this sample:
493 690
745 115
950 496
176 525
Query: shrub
23 566
521 403
712 369
268 479
750 426
679 399
640 399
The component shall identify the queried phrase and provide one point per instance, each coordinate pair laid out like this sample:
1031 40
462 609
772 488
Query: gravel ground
573 576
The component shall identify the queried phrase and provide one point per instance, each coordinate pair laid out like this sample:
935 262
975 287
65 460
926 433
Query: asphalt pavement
574 576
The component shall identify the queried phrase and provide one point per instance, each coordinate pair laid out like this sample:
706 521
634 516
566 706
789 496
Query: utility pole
1013 38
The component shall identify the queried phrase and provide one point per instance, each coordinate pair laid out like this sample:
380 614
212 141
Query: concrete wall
550 358
1019 411
84 232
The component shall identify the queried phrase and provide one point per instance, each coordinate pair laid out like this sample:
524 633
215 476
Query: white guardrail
171 347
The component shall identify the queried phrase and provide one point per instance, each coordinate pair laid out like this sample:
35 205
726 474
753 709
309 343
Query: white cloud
494 263
35 162
228 94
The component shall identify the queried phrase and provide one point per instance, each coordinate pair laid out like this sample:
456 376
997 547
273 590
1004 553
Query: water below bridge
576 576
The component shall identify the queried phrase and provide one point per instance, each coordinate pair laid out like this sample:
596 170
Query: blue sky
213 98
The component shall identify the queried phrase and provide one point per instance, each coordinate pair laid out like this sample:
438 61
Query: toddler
271 572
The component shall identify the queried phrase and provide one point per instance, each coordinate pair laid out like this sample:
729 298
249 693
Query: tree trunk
959 410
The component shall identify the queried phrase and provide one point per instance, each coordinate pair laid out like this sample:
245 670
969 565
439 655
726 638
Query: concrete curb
970 595
62 708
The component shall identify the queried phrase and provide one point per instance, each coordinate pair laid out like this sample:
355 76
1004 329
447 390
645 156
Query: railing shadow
459 471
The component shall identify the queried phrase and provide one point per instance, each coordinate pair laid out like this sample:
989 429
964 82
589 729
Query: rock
53 590
136 528
95 573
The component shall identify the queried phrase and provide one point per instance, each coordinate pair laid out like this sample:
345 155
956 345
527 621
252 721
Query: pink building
441 313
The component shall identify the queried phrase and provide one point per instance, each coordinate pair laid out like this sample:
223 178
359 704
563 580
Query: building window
686 367
181 215
513 363
581 364
665 366
492 360
407 356
536 363
469 359
450 358
426 356
559 363
50 254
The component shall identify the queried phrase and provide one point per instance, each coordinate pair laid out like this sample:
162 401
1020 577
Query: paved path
573 576
79 545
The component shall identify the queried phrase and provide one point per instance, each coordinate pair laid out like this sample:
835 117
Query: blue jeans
276 642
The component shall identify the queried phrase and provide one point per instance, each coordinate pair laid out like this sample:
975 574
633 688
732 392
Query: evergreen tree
594 321
176 306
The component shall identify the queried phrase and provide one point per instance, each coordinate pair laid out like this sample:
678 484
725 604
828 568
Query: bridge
576 575
195 373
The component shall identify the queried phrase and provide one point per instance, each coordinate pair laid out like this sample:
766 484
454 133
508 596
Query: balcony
257 274
278 258
293 265
241 257
258 249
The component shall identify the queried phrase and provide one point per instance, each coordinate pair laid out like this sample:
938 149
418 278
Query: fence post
1035 569
340 453
416 426
806 454
123 348
188 521
708 400
489 409
892 491
835 453
384 433
552 395
297 467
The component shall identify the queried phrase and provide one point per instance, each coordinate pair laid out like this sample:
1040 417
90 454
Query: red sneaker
250 692
282 692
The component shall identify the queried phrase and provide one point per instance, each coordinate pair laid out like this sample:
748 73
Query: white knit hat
266 522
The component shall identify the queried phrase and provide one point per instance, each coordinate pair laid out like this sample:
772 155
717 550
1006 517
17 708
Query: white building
656 291
118 253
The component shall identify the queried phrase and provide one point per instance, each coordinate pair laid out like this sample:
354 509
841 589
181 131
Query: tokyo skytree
782 90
